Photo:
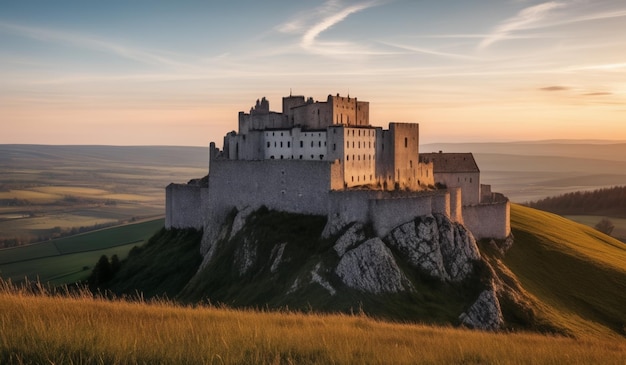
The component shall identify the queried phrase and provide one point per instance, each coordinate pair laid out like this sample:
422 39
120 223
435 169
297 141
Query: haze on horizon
177 73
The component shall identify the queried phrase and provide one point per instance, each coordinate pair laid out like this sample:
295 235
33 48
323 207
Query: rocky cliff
428 269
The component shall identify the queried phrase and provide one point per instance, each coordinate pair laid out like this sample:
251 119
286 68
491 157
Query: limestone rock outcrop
437 246
485 313
349 239
289 268
371 268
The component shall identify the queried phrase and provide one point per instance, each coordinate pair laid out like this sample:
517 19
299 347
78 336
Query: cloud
523 20
554 88
598 94
311 24
86 42
432 52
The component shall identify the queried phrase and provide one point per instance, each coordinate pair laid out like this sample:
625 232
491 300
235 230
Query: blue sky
177 73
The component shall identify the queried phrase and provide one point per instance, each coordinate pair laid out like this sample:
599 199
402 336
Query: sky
138 72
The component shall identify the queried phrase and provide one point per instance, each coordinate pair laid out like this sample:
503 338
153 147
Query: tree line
607 201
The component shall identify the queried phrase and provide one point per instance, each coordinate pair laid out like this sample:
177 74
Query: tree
101 273
605 226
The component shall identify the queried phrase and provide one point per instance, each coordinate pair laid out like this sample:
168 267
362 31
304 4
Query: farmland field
48 192
69 259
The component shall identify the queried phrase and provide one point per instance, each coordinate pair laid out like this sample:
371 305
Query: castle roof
451 162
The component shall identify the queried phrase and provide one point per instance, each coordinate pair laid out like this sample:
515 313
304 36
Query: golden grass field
45 329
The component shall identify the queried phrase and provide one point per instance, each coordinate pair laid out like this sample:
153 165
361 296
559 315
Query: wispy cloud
523 20
313 23
87 42
603 93
554 88
432 52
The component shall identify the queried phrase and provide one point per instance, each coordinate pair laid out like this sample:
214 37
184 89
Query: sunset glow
177 73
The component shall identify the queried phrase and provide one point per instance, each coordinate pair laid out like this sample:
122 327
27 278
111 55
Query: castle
324 158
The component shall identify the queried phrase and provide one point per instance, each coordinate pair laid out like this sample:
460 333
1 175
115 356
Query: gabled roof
450 162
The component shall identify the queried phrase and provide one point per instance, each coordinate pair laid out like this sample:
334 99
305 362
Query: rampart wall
183 206
488 220
386 214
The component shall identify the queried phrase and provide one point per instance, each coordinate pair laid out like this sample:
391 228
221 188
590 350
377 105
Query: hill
558 276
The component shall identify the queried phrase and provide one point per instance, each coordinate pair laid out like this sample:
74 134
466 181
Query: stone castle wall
183 206
488 220
316 187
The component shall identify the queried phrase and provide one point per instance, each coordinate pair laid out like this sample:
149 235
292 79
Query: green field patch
97 240
63 269
22 253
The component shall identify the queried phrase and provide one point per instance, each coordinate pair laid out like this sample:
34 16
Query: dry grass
79 330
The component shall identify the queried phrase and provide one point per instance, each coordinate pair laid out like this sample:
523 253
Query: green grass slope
576 271
161 267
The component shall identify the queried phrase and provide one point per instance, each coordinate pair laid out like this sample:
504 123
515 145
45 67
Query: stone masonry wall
488 220
387 214
183 206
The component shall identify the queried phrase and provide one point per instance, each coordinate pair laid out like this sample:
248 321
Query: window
281 134
301 144
319 144
288 144
274 144
301 157
268 144
321 157
348 157
411 163
311 143
281 144
406 142
334 147
347 144
359 144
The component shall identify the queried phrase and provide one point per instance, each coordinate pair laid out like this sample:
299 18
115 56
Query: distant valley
51 191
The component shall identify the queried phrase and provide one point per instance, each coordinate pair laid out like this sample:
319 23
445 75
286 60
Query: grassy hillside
82 330
161 267
578 273
70 259
565 277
